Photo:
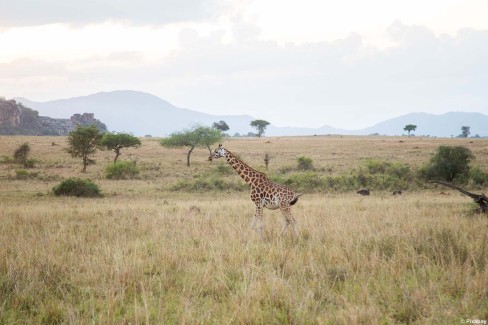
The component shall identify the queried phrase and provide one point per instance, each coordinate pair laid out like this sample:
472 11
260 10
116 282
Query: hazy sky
347 64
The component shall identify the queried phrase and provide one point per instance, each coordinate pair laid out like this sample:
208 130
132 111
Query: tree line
84 141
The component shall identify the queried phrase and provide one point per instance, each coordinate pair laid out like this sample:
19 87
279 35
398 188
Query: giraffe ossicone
264 193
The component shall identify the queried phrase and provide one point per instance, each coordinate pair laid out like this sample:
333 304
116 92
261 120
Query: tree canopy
208 137
198 136
260 126
465 131
450 163
118 141
409 128
83 142
221 125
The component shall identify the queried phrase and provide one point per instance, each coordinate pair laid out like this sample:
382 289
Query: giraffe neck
248 174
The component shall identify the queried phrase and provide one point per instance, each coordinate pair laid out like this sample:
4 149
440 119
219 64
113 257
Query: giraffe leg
258 221
253 224
288 220
255 219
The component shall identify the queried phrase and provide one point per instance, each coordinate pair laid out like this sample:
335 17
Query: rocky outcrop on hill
64 126
15 119
9 113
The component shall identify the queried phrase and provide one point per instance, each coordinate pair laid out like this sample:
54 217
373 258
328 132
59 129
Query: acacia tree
118 141
465 131
409 128
208 137
83 143
198 136
260 126
221 125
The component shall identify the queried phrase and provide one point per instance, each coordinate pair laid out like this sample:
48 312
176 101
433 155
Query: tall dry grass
143 254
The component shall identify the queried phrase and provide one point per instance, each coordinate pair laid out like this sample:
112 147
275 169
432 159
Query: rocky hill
17 119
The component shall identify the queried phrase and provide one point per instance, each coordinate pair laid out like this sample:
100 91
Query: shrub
305 182
448 164
21 153
224 169
29 163
286 169
376 166
478 176
77 187
397 169
7 160
305 163
122 170
385 175
378 175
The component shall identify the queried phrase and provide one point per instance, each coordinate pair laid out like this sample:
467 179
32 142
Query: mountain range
144 114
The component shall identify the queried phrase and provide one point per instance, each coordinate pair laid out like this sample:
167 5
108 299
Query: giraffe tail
295 199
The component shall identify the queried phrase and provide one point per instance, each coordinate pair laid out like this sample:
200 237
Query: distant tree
181 139
83 142
118 141
198 136
409 128
449 163
465 131
221 125
21 154
260 126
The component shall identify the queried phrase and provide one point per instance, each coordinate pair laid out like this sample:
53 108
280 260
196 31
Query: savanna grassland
169 248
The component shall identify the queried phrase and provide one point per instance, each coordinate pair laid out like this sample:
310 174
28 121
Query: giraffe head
219 152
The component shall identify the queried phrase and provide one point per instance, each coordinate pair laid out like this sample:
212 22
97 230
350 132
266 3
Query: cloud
148 12
422 72
341 83
27 68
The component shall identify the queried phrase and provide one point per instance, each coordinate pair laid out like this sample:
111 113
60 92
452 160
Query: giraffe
264 193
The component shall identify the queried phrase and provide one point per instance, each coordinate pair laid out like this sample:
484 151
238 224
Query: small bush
21 174
224 170
29 163
478 176
305 163
7 160
377 175
77 187
286 169
376 166
397 169
304 182
122 170
21 153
